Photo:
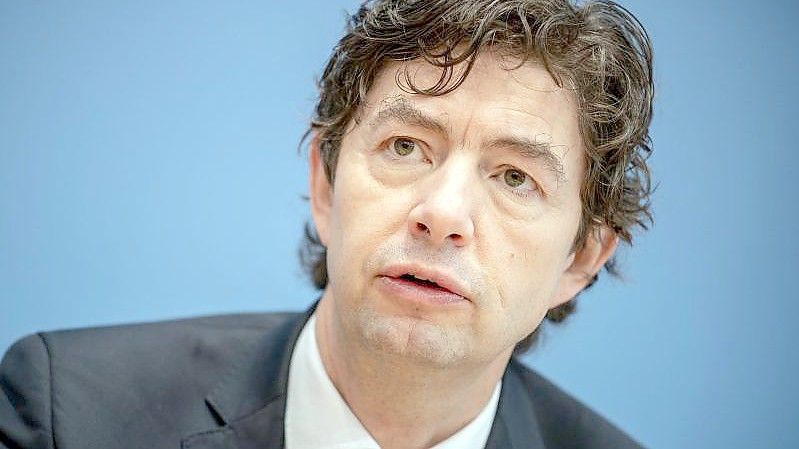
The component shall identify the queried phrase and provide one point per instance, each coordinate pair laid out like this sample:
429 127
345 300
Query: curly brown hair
597 49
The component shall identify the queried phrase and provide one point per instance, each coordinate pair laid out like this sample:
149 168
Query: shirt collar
318 418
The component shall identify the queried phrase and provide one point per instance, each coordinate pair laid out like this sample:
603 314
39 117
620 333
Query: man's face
477 190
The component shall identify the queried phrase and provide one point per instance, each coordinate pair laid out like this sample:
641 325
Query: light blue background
149 169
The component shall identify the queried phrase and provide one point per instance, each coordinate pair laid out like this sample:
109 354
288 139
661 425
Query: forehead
525 84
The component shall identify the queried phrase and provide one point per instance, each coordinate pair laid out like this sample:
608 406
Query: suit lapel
515 425
262 429
249 402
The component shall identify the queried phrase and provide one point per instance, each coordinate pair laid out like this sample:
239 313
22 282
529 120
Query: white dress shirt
318 418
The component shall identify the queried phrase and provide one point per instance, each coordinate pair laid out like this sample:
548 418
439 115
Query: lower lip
414 292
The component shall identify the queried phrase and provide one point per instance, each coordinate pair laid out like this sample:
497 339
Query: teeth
417 277
414 277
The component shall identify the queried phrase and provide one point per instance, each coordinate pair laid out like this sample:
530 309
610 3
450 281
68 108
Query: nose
444 212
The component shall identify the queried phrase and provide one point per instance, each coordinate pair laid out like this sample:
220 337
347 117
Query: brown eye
404 147
514 178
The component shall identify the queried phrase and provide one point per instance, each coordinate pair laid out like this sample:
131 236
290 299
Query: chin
413 339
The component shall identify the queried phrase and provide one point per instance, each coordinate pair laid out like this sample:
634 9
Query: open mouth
420 285
422 282
417 281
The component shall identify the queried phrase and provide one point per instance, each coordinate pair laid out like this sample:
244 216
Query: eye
404 151
519 182
514 178
403 146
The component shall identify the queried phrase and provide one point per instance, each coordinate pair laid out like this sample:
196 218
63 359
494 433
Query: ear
319 190
583 264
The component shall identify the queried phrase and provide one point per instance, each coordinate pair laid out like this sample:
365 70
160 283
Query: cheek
520 273
365 213
528 265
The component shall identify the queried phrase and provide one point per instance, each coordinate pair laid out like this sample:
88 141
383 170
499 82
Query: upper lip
441 278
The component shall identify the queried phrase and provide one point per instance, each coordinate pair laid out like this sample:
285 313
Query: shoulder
198 349
180 343
150 338
564 421
123 380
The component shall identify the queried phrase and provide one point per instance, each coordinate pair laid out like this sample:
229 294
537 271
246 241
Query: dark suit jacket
218 382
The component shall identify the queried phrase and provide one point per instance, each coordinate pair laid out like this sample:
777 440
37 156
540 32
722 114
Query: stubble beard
414 339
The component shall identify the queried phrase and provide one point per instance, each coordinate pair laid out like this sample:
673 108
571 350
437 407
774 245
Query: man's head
499 144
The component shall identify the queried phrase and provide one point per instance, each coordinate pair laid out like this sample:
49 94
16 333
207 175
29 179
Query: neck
403 403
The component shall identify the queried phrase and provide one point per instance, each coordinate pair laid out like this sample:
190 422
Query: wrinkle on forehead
422 73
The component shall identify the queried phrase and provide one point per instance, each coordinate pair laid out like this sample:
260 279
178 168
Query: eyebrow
402 110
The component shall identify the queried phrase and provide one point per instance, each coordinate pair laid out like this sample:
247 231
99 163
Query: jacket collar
249 403
516 425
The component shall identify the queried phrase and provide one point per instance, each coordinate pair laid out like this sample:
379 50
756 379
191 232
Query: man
473 164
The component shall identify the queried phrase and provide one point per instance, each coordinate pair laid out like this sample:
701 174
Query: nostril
421 227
